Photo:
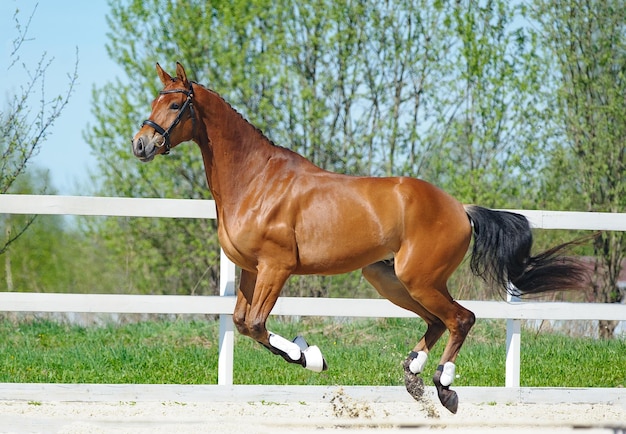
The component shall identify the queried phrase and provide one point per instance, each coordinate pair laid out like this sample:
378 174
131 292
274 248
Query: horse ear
180 73
164 76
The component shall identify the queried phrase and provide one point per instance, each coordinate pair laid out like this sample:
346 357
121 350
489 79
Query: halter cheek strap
166 132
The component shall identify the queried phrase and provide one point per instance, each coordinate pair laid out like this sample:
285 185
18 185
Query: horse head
173 107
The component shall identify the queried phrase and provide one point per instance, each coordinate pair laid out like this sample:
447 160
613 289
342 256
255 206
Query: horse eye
174 106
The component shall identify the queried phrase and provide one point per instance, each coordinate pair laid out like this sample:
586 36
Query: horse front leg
255 300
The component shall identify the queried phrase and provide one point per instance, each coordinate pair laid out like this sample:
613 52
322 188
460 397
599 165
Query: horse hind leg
382 276
458 321
444 375
427 284
416 361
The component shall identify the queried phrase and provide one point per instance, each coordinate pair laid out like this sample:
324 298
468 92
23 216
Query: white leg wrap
417 364
280 343
313 359
447 376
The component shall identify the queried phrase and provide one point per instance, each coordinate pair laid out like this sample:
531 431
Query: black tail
501 253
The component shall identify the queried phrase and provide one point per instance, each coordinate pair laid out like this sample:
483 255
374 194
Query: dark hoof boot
413 383
449 399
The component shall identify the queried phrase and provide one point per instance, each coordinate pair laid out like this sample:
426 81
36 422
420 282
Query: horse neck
234 152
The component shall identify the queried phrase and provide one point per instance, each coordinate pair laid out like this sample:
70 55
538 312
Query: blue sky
57 28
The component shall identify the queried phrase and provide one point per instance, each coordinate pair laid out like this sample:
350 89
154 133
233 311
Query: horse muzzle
145 149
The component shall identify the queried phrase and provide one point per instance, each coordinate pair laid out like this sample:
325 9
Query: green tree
299 72
406 45
25 125
159 255
43 254
585 47
54 255
403 87
488 151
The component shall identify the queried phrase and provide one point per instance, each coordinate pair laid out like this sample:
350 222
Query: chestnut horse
278 214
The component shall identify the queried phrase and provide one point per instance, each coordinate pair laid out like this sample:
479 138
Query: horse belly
342 249
338 262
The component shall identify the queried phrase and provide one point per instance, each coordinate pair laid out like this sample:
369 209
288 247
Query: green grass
363 352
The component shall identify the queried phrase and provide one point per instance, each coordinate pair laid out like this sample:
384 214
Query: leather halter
166 132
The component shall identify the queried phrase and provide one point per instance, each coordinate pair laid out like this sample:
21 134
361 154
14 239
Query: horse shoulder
261 222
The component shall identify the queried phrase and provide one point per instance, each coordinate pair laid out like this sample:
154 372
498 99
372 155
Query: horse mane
239 115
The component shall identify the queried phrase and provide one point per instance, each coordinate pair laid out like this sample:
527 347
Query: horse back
347 223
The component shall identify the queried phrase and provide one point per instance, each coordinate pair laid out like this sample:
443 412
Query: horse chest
246 242
231 248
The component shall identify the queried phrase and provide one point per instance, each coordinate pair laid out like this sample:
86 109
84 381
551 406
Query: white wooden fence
223 305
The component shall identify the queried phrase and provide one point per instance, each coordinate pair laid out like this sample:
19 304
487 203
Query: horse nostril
139 145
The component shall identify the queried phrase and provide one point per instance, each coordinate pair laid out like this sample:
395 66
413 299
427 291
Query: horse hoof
449 399
413 383
314 360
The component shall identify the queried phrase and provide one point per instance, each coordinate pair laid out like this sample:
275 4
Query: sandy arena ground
336 410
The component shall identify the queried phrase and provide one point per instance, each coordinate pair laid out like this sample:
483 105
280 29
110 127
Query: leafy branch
22 128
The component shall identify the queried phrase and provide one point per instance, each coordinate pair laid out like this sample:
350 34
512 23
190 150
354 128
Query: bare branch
21 35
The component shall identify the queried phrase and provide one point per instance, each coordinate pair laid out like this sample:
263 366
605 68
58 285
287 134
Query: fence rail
223 305
293 306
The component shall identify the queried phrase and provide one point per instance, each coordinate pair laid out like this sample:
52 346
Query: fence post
227 328
513 350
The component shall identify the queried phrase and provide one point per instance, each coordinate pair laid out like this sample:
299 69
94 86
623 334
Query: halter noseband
166 133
